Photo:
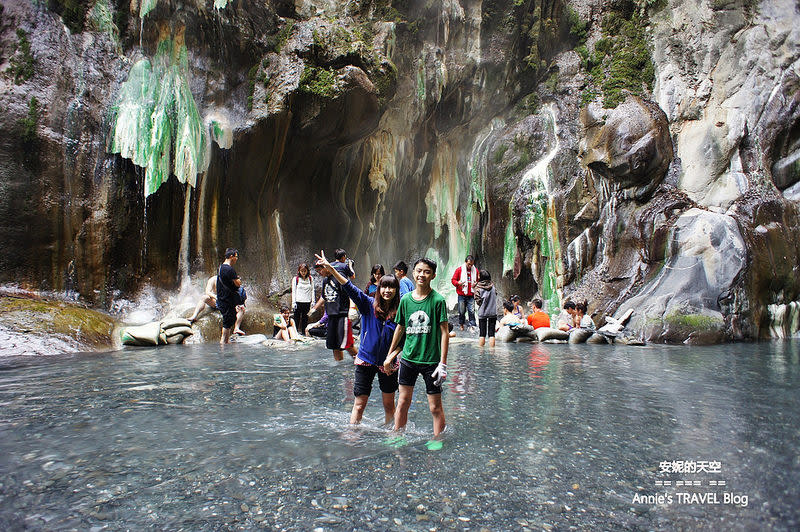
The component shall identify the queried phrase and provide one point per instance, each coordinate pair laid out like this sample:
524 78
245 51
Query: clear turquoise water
539 436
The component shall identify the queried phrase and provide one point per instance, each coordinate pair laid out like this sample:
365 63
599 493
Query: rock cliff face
631 153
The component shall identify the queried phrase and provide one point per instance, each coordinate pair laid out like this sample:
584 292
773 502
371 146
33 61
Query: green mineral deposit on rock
146 6
154 112
510 246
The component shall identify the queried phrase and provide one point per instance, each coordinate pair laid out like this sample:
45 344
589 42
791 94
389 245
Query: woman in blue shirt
374 278
377 329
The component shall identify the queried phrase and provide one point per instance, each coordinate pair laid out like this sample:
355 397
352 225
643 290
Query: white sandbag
505 334
249 339
178 331
146 334
579 335
176 339
170 323
547 333
597 338
525 332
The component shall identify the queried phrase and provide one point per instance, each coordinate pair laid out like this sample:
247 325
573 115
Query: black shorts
486 326
228 314
340 333
409 371
365 375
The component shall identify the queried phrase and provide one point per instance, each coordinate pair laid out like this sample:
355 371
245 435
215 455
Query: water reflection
538 436
538 359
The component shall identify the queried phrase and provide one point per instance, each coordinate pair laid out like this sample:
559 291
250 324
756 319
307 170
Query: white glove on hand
440 373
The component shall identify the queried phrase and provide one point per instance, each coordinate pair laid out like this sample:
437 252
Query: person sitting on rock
581 319
210 299
318 329
509 318
539 318
283 325
565 320
518 310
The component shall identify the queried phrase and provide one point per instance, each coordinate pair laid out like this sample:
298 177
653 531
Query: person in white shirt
302 295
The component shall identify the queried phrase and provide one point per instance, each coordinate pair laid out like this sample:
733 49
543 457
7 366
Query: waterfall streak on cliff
183 254
540 223
477 163
541 170
281 265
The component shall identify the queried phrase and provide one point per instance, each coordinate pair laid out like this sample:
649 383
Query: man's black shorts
340 334
228 314
409 371
365 375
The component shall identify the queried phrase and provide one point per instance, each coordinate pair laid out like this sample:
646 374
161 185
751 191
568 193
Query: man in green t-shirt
422 319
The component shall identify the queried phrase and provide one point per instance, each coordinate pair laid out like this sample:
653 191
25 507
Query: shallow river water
539 437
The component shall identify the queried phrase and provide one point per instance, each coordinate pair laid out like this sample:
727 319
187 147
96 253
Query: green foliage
102 19
278 41
23 62
499 153
30 123
524 156
72 12
551 84
530 104
251 85
318 81
643 6
621 59
542 33
386 81
384 10
578 28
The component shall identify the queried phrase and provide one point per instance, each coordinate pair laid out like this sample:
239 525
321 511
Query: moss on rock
621 60
44 317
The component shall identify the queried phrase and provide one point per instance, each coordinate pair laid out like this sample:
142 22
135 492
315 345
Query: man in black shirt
228 284
337 304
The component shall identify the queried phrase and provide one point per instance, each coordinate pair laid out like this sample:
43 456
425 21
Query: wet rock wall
509 130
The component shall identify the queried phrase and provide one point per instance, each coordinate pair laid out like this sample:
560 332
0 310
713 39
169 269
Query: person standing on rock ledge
228 299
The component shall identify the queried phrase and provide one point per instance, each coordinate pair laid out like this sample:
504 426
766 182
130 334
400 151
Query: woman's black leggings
301 316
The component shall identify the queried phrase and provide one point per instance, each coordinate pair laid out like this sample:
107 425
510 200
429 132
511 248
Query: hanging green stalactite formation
156 112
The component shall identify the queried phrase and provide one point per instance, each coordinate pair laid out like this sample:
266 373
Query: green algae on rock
29 315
